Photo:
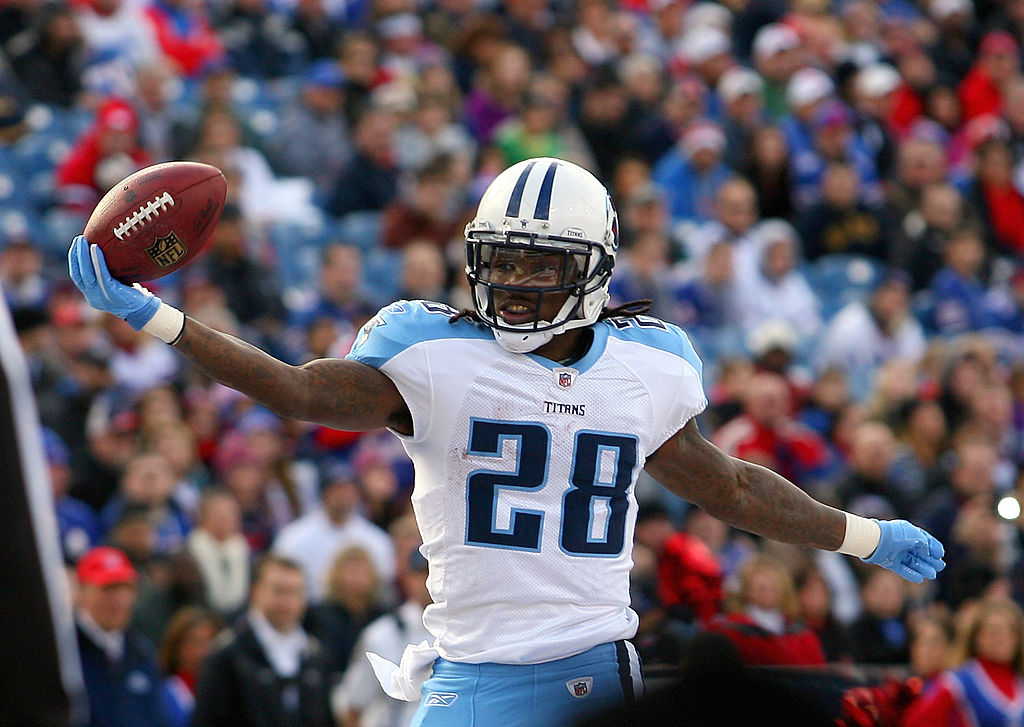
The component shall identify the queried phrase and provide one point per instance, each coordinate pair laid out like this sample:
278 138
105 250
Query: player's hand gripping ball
156 220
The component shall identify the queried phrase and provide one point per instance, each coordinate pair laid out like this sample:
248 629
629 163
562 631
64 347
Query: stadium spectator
186 643
865 333
221 552
774 287
352 598
986 684
1000 204
358 700
257 40
47 57
874 93
776 53
880 633
184 35
972 476
959 296
998 60
766 433
250 288
119 665
313 139
767 168
741 91
117 41
920 428
645 261
733 221
762 618
840 222
870 486
370 180
689 577
148 482
105 154
691 174
814 594
931 646
340 294
314 539
432 132
919 245
428 210
77 523
268 672
495 96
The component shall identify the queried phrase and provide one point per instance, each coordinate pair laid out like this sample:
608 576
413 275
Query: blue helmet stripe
543 208
517 192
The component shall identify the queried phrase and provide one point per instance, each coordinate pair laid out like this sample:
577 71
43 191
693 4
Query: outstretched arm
333 392
760 501
743 494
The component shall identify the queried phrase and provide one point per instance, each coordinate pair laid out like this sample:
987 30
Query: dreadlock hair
632 309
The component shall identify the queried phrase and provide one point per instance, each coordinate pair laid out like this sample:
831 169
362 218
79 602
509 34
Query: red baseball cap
998 41
104 566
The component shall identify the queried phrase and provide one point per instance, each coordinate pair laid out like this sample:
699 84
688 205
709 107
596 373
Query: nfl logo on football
166 250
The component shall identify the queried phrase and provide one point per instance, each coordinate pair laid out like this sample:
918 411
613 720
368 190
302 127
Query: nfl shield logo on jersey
580 687
565 377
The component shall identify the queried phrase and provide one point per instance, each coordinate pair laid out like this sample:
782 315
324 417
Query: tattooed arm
743 494
333 392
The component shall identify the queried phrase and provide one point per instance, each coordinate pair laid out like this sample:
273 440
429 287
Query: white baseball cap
739 81
877 79
807 86
942 9
774 38
707 15
703 135
702 44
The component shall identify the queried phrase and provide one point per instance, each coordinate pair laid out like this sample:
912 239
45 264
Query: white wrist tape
167 324
862 536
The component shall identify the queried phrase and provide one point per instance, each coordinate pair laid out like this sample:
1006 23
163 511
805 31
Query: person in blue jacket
122 679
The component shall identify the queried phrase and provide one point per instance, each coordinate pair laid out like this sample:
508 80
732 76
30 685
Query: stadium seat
840 279
361 229
381 271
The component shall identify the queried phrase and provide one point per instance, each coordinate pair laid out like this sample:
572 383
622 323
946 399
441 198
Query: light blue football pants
551 694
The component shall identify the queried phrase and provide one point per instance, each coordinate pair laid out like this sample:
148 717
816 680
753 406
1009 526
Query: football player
528 419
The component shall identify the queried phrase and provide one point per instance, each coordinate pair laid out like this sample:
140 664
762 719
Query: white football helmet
544 206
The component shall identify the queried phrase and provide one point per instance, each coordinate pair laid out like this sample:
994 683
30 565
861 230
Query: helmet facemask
518 270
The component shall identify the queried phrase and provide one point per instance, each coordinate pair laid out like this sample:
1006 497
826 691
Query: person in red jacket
988 686
108 152
184 35
762 621
689 575
998 61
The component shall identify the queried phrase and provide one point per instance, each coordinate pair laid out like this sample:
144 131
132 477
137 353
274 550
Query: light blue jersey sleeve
656 333
402 325
673 370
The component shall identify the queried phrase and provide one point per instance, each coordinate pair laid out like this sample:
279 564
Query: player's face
528 269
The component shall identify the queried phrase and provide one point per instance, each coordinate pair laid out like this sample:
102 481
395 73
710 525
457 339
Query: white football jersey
525 472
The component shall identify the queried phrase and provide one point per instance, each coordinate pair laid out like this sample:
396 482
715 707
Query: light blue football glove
908 551
134 304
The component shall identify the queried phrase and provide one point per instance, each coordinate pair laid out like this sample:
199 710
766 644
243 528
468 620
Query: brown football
156 220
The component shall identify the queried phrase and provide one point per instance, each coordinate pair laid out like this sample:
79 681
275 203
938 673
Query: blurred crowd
827 195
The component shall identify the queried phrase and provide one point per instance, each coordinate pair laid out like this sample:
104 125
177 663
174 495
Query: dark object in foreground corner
40 681
715 689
